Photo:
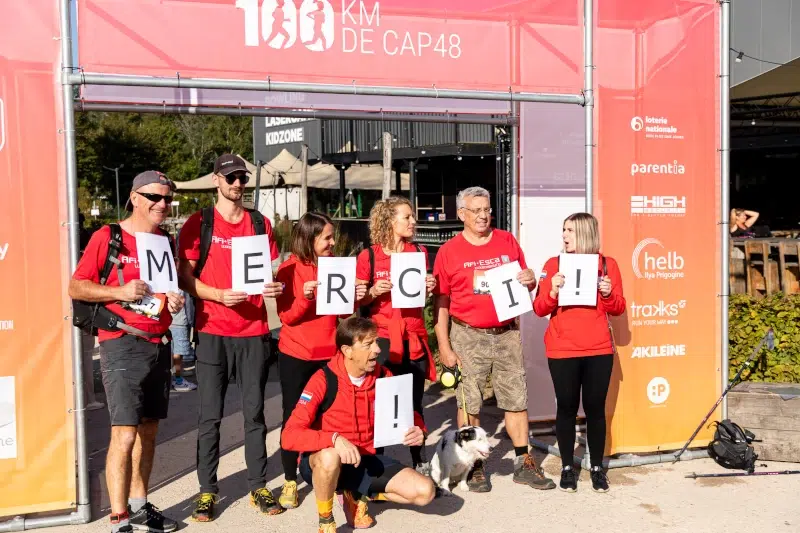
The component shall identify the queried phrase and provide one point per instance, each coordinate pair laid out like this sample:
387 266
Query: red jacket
351 415
304 334
578 331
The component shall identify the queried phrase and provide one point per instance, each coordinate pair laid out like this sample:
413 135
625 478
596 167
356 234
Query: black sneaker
569 480
599 479
527 473
477 480
264 501
125 529
149 518
204 507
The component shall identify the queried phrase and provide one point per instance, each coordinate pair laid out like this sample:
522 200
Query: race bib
148 306
479 283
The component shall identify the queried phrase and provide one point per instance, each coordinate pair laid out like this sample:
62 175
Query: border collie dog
456 453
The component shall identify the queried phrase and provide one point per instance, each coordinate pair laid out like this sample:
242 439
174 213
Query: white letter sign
156 263
510 297
394 413
408 280
336 293
250 263
580 279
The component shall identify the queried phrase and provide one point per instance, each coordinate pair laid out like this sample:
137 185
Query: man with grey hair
478 342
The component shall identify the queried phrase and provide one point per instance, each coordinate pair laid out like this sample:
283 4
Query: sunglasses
231 178
155 198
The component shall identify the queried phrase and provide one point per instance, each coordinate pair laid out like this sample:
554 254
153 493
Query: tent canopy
320 176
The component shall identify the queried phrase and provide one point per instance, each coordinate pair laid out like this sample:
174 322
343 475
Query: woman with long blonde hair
402 336
579 346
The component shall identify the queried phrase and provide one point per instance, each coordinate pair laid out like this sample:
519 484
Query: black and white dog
456 452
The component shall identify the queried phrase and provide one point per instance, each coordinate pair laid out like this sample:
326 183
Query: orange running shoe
356 512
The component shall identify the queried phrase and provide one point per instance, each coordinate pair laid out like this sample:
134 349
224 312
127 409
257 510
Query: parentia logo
657 168
651 260
283 23
655 127
658 205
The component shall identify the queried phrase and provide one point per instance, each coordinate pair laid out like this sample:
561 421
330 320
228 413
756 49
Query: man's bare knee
426 491
148 429
328 461
123 437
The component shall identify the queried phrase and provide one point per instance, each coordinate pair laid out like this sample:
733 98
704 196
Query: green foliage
184 147
432 340
749 320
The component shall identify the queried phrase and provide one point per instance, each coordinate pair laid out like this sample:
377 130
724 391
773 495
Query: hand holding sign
394 412
580 279
337 285
250 262
156 263
408 280
511 298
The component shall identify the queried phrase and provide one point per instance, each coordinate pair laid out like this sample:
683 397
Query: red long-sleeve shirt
351 415
579 331
304 334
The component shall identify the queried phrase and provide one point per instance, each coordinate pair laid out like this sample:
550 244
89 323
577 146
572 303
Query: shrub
749 320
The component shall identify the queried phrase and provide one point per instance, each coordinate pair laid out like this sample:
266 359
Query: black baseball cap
146 178
228 163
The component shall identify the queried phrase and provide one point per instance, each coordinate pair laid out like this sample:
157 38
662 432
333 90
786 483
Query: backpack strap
257 218
331 389
206 233
371 252
114 247
605 266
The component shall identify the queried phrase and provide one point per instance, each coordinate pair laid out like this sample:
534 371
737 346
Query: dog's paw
443 493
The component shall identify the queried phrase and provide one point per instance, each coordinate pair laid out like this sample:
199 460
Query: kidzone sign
281 24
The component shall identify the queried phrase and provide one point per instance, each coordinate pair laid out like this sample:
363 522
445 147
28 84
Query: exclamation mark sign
396 412
578 282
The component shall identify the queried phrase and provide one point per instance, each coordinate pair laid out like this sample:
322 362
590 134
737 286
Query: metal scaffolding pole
446 118
588 93
725 159
268 85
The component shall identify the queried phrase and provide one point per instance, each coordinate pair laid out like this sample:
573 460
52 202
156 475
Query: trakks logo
658 205
3 250
651 266
6 325
281 24
658 314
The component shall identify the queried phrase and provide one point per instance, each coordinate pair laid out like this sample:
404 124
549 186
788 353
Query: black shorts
371 477
136 377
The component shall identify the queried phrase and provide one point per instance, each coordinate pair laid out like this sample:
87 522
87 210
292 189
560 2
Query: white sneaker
182 385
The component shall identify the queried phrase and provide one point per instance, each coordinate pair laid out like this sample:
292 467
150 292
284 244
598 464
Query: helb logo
283 24
650 260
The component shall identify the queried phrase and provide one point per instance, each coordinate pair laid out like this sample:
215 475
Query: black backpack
731 447
332 389
207 232
364 310
88 316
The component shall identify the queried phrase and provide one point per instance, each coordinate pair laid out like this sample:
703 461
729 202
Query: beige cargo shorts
482 355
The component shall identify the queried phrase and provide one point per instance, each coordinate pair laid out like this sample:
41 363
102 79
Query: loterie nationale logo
655 128
357 29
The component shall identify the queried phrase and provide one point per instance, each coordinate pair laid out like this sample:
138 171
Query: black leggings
419 370
571 376
294 374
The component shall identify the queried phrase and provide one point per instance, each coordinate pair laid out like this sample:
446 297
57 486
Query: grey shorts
497 355
136 378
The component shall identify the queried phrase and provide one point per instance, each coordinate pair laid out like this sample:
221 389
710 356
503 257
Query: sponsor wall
37 458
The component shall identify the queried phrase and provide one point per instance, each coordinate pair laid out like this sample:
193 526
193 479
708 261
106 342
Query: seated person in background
741 222
337 442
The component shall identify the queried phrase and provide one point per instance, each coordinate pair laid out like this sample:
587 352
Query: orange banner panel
37 455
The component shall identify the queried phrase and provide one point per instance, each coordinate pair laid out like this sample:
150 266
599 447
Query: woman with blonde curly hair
401 332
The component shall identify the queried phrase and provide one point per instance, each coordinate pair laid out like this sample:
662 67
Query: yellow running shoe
288 497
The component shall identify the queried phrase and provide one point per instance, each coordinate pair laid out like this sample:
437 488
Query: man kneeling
335 434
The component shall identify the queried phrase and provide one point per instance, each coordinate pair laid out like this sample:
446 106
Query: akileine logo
658 390
669 266
6 325
663 350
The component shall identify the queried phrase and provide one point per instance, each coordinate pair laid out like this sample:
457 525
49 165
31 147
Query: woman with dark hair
307 340
402 336
580 348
